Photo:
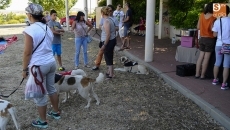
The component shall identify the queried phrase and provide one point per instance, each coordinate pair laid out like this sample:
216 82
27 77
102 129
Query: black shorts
207 44
108 52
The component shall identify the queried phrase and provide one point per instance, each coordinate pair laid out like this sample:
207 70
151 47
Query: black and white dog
131 66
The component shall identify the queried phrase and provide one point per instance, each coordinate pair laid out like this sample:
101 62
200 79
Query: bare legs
225 75
110 71
202 64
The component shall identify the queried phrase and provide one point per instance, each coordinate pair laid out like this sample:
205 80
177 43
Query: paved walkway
210 98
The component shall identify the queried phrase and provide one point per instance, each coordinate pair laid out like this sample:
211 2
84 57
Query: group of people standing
42 45
213 34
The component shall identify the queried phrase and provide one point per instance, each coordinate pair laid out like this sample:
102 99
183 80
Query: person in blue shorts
127 22
57 31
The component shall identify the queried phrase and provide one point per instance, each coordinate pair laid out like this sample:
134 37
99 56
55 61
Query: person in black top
127 22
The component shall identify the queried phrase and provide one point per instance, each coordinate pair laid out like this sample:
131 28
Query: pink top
80 29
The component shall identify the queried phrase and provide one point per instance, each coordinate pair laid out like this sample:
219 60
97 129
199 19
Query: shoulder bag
89 39
225 47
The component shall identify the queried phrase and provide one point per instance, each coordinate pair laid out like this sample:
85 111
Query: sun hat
34 9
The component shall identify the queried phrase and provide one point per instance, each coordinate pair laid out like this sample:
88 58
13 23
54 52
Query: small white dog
83 84
130 66
7 109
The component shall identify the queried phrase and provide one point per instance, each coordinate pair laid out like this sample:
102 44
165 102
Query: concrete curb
211 110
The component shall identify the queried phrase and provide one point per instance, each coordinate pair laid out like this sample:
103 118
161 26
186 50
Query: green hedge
12 18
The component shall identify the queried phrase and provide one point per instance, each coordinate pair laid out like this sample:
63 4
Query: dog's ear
123 59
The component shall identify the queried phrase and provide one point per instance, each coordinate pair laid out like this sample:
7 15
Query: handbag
89 38
101 43
225 49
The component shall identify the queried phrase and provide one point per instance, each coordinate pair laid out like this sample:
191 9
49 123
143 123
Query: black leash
13 91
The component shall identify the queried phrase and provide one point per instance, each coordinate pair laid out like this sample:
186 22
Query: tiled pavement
211 98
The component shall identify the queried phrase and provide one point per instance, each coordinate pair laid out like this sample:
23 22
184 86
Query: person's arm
215 29
61 28
89 25
107 31
198 24
28 48
73 25
51 25
101 23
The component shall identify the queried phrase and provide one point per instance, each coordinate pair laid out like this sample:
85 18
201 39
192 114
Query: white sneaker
87 66
76 67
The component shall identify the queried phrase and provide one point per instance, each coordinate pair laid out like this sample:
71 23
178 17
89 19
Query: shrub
13 22
18 17
21 20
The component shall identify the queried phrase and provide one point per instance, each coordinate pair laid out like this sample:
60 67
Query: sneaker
95 68
87 66
61 68
215 81
76 67
40 124
224 86
54 115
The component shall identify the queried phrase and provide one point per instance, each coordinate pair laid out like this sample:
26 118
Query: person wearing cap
38 53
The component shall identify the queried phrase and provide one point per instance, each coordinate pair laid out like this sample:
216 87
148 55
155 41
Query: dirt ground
128 101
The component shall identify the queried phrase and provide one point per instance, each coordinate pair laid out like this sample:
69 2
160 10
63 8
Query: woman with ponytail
38 54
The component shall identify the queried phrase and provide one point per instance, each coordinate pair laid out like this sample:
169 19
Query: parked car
71 19
27 21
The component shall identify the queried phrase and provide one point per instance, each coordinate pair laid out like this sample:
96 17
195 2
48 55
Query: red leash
35 74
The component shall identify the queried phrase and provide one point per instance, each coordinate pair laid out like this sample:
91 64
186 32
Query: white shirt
43 54
225 31
119 14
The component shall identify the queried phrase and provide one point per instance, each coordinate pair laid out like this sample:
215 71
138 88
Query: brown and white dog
130 66
58 76
83 84
7 109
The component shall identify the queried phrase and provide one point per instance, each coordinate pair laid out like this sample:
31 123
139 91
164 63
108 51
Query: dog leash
12 91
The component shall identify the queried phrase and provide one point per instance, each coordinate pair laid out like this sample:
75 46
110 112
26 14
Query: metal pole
160 19
109 2
150 21
67 14
86 10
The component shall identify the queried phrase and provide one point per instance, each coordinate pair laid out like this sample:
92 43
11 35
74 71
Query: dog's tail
13 114
100 78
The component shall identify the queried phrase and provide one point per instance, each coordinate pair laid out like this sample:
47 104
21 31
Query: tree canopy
58 5
185 13
4 4
182 13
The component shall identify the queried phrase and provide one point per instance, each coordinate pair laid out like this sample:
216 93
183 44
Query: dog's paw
75 91
97 103
87 106
64 101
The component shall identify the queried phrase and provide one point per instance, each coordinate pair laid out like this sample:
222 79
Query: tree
138 8
185 13
4 3
58 5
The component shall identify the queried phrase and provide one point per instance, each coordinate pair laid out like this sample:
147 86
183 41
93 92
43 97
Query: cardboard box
187 41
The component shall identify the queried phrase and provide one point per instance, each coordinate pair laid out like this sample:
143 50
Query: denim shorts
56 49
126 28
